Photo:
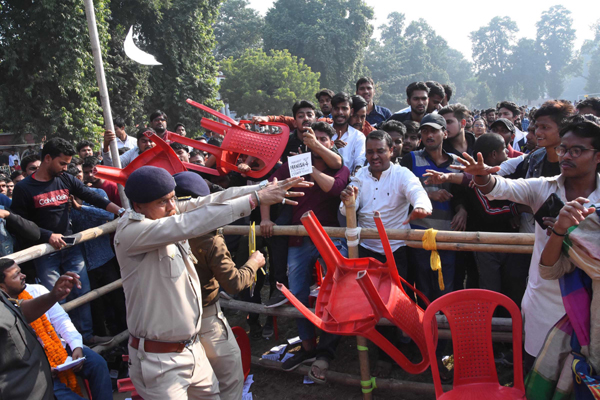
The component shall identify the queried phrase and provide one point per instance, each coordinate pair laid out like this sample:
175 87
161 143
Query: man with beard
510 111
349 141
448 213
490 116
158 122
323 200
458 141
143 144
417 97
324 97
436 96
412 139
397 131
358 120
43 198
365 87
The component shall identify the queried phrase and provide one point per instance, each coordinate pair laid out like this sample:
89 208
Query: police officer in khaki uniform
162 289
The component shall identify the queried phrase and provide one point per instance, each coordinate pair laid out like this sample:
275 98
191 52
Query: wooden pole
475 238
92 295
108 121
361 342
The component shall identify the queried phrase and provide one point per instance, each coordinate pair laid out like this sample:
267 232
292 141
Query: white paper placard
300 165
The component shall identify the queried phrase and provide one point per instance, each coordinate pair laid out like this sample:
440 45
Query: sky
454 20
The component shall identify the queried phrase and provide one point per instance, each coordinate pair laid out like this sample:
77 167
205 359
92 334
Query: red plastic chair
469 313
125 385
237 141
244 343
357 293
161 155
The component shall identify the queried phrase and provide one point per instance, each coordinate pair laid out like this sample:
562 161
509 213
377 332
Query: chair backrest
469 313
244 343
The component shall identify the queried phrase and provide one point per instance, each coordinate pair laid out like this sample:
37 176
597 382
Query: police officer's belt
153 346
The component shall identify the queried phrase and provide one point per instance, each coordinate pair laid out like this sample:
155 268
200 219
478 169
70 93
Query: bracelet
257 198
558 234
485 184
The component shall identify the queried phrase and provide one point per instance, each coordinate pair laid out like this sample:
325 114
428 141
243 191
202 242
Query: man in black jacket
43 198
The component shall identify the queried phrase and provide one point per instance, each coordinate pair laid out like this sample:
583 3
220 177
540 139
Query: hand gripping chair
469 313
266 147
357 293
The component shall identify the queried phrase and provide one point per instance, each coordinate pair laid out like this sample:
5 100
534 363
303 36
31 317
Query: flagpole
99 67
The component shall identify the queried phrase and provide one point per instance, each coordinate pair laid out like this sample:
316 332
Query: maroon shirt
323 205
112 191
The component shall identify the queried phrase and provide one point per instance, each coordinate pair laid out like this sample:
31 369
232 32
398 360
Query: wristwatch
263 184
121 211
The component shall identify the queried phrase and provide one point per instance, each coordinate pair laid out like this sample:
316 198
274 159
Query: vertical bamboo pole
361 342
99 67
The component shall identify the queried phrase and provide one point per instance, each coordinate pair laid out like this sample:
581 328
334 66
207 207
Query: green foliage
47 79
483 99
414 53
592 47
330 35
257 83
555 36
238 28
528 71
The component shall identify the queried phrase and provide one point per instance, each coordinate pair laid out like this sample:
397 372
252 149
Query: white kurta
542 304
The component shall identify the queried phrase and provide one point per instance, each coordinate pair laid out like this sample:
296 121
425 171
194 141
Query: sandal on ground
323 366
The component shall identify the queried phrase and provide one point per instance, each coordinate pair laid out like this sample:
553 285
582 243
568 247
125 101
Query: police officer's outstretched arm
276 191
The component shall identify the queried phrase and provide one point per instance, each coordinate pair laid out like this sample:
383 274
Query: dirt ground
271 384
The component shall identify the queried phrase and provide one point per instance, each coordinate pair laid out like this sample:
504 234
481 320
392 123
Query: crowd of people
434 164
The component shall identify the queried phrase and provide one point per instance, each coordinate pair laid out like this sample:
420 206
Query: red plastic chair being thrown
357 293
237 141
469 313
161 155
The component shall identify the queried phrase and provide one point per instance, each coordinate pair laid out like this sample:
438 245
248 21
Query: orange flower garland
55 352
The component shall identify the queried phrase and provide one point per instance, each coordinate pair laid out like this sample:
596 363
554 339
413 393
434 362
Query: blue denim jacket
96 252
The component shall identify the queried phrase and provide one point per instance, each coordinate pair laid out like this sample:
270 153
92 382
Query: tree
483 99
330 35
492 49
238 28
592 47
555 36
257 83
179 34
47 80
528 71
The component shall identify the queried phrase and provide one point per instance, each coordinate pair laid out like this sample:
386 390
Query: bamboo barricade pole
39 250
469 241
353 380
104 100
92 295
361 342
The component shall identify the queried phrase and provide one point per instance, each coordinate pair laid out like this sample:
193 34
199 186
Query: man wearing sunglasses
579 157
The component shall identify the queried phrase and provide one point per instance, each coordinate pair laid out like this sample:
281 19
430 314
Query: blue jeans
51 266
95 371
300 267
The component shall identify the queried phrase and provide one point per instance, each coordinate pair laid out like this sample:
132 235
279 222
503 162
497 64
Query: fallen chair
357 293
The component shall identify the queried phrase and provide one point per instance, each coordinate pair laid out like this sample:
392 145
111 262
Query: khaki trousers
223 352
165 376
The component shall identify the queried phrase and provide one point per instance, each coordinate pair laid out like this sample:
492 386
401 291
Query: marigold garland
55 352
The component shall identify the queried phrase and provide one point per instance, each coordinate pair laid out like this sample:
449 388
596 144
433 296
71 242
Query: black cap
509 125
190 184
434 120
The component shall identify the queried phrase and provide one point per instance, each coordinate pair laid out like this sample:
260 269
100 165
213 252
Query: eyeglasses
574 151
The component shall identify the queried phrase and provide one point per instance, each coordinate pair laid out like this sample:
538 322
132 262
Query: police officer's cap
190 184
149 183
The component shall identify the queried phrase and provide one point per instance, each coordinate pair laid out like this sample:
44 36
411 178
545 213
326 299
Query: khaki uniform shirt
215 267
162 289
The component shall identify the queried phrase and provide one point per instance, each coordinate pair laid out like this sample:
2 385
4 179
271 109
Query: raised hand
470 166
572 214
